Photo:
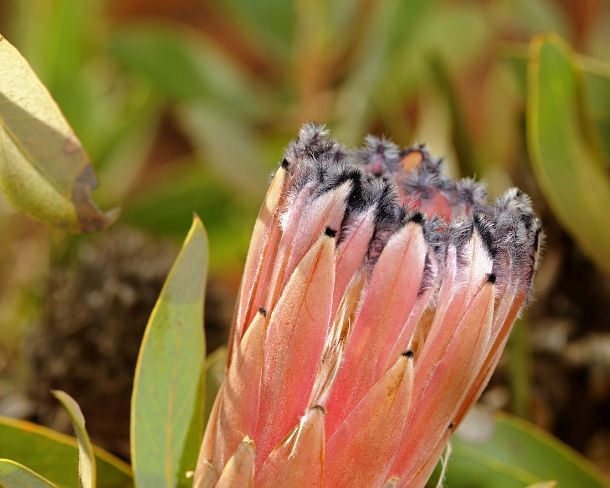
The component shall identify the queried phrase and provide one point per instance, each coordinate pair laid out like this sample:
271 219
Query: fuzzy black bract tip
417 218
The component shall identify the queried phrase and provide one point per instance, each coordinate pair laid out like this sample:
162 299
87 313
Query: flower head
377 298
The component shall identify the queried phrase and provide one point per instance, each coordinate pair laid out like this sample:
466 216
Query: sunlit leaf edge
66 440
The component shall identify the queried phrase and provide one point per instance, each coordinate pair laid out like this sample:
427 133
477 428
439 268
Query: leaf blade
15 475
516 453
44 170
86 457
54 455
565 165
169 380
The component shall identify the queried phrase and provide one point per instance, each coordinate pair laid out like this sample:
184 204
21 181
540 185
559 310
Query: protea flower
376 300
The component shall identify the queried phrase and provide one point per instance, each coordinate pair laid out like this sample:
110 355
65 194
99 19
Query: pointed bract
293 345
388 299
445 383
239 470
206 452
298 462
240 395
359 453
259 259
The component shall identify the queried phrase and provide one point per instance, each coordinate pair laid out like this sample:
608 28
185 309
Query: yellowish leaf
44 170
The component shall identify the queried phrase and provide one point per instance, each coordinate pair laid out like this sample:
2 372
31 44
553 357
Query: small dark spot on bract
330 232
285 163
262 311
408 354
492 278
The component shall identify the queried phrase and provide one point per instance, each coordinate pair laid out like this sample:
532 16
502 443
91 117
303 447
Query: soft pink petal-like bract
377 297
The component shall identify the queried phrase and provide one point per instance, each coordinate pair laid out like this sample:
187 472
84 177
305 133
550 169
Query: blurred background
186 105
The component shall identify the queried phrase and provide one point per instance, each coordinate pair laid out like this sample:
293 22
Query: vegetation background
185 106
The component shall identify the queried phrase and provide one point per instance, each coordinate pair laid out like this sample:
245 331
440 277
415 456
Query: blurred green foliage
179 99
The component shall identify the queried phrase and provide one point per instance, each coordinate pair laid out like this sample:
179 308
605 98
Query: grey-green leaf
168 396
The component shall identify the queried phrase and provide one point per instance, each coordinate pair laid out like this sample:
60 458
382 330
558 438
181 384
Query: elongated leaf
167 402
15 475
44 170
55 456
86 457
515 454
597 100
567 169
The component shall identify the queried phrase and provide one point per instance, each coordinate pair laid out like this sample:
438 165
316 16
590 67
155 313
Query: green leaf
560 146
596 74
519 357
167 402
517 454
15 475
44 170
597 100
215 366
86 457
55 455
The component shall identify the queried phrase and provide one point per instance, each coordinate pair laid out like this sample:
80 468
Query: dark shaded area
96 308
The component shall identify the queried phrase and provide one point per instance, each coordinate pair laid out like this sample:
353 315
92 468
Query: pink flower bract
377 297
